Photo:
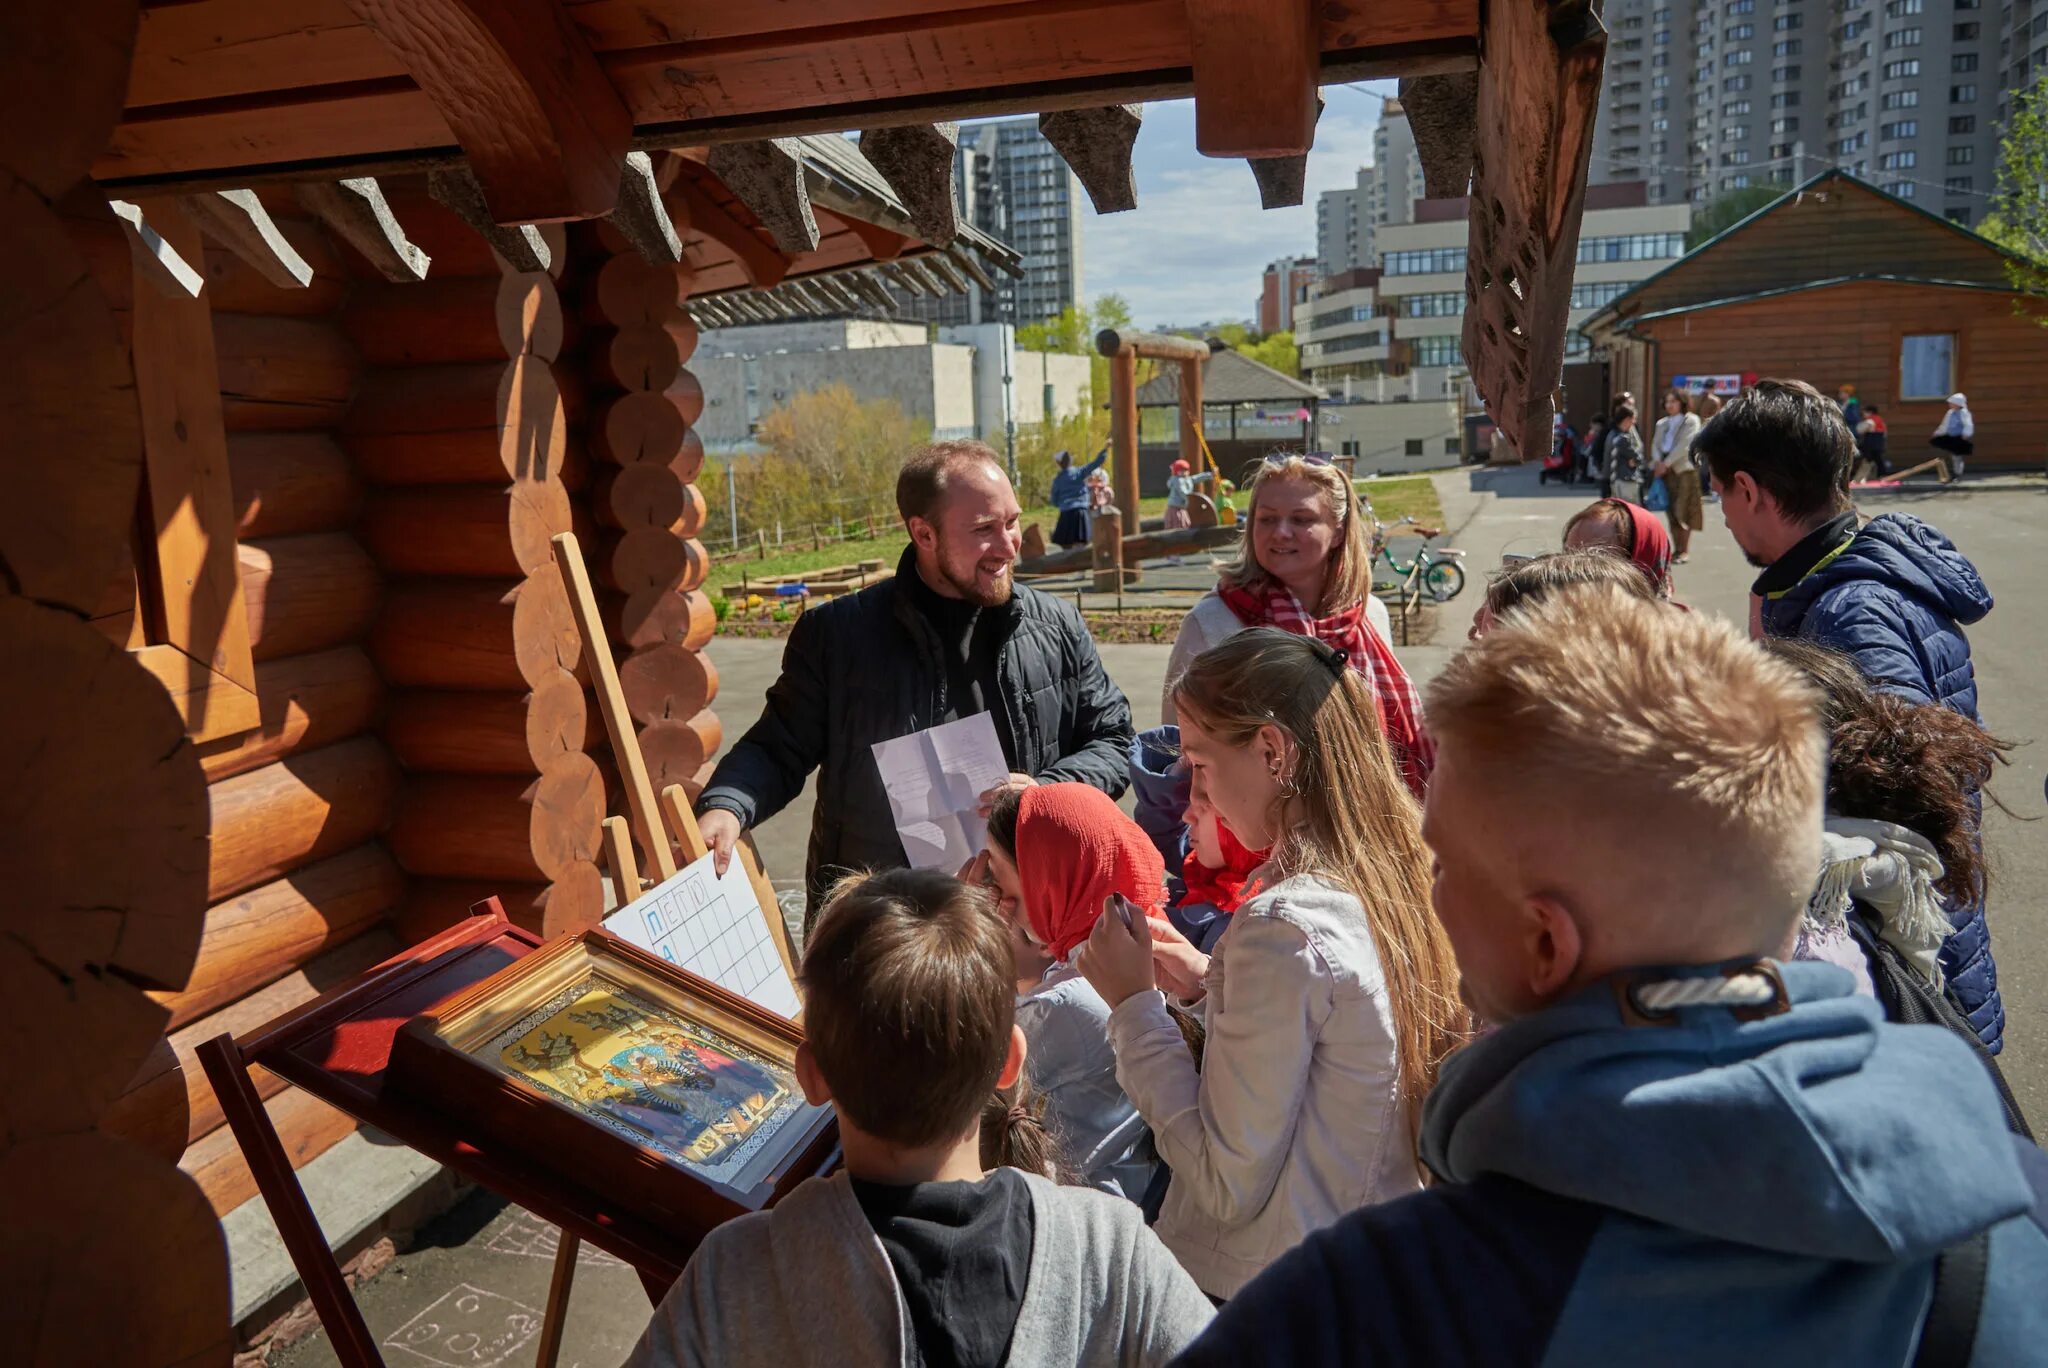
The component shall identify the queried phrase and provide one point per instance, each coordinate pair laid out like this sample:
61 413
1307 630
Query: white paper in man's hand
935 779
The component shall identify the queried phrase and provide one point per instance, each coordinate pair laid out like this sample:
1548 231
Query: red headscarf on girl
1649 545
1075 847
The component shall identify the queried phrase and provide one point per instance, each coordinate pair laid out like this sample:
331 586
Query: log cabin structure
1838 283
322 317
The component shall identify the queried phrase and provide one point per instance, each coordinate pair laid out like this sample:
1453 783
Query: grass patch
1392 499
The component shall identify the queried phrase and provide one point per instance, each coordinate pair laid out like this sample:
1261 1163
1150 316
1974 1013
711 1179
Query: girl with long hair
1305 566
1332 997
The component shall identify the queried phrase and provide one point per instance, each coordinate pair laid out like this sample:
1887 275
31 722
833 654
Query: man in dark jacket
948 637
1893 593
1672 1148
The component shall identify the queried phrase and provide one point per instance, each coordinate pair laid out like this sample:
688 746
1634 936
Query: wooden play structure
322 318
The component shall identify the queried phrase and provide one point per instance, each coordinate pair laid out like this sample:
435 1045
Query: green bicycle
1434 571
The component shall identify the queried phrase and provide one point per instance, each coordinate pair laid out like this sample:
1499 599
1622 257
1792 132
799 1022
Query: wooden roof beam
917 162
762 264
155 259
966 262
881 242
237 220
944 269
1096 143
458 191
871 290
928 280
1255 63
768 177
356 212
542 126
641 217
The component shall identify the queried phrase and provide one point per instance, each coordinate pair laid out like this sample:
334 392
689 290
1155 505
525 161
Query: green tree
1727 211
1073 330
829 456
2018 220
1276 350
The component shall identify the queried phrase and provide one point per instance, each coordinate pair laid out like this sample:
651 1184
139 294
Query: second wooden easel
656 821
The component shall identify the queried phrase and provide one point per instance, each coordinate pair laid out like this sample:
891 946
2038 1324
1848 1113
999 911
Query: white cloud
1194 248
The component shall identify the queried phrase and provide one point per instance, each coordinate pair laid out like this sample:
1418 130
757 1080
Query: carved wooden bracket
1441 112
356 211
544 129
1096 143
768 177
1535 133
917 162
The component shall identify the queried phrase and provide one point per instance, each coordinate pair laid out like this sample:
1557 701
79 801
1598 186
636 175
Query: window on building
1734 133
1785 73
1961 185
1900 99
1788 48
1904 128
1739 157
1785 99
1737 32
1962 62
1451 447
1734 108
1784 125
1736 83
1632 247
1963 123
1436 351
1895 70
1901 189
1965 33
1660 59
1961 216
1894 8
1927 365
1963 94
1785 23
1898 161
1962 156
1597 293
1433 261
1739 57
1415 443
1902 38
1742 7
1440 304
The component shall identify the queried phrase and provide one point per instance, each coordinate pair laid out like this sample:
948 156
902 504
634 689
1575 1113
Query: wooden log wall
111 1255
300 882
461 435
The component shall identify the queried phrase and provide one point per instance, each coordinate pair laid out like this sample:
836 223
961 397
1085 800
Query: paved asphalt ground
466 1295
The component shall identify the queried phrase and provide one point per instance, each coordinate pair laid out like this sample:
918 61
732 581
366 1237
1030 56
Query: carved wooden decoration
156 261
768 177
917 161
356 211
544 130
966 262
237 220
1528 180
520 244
1096 143
1441 113
764 266
642 218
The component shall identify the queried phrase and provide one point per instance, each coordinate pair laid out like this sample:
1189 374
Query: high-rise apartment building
1704 99
1013 185
1348 220
1285 284
2022 50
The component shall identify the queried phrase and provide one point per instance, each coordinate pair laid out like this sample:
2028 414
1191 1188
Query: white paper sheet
935 779
715 928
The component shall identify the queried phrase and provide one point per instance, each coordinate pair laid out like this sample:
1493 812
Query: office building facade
1013 185
1285 284
1702 100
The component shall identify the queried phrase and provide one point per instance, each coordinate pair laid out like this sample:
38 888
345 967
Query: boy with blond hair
1673 1148
911 1253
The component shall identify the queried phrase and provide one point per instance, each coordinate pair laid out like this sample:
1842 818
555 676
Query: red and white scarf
1393 693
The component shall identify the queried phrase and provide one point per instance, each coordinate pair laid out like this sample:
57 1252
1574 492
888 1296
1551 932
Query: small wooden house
319 318
1839 283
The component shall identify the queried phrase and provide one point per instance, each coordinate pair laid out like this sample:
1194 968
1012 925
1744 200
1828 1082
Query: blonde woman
1305 566
1330 1001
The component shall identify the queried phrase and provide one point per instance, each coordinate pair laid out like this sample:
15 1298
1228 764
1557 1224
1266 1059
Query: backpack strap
1949 1335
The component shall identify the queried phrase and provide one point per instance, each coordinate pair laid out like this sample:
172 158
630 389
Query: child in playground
1179 485
914 1252
1100 496
1056 853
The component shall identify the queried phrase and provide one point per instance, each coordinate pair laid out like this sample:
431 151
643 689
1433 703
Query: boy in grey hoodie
911 1254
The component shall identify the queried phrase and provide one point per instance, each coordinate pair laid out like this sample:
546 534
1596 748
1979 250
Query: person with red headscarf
1629 529
1057 853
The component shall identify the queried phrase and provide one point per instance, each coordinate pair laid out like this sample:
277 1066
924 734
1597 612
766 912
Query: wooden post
1192 449
1123 428
1108 551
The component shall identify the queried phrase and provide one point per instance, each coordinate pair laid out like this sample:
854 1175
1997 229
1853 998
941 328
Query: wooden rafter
763 265
228 92
882 244
544 130
1256 64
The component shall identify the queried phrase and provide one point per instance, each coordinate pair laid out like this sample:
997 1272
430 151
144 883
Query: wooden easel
656 823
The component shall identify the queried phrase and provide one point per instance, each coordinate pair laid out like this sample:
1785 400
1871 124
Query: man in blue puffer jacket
1892 593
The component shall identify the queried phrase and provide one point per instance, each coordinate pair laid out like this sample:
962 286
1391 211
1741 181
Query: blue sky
1193 249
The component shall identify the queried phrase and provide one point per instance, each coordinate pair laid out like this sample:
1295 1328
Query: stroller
1561 462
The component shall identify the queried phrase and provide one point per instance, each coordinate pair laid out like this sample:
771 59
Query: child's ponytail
1014 1134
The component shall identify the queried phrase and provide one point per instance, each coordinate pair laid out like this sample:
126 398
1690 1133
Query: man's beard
1754 559
970 587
